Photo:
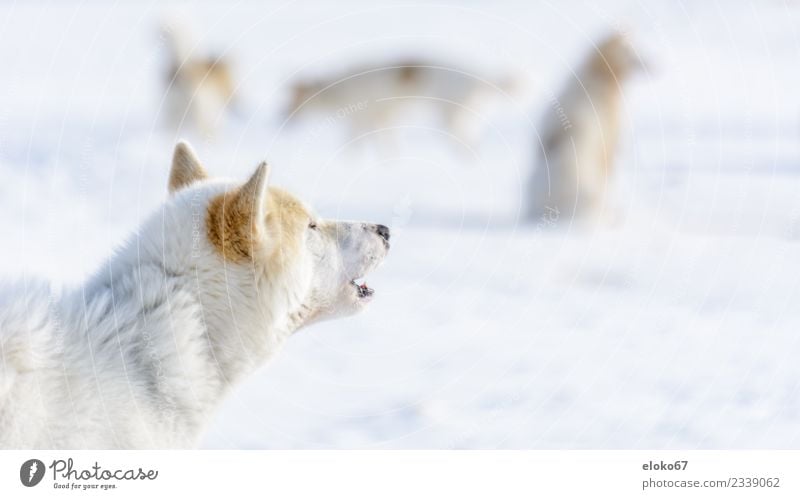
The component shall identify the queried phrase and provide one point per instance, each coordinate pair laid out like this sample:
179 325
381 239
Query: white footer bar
401 474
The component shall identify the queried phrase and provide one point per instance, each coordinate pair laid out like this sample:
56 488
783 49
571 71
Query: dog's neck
243 331
208 334
239 333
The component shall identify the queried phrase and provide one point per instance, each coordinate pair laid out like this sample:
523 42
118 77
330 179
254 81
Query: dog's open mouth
362 289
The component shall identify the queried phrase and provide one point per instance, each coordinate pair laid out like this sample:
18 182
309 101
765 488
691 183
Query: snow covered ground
676 328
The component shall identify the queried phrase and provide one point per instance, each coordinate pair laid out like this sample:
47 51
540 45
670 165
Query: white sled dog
206 291
579 136
374 96
199 89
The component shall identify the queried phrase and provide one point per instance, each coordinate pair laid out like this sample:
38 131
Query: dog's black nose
383 231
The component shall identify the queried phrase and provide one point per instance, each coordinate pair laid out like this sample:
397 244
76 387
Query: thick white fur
142 353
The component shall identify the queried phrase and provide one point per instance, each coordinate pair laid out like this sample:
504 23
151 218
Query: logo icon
31 472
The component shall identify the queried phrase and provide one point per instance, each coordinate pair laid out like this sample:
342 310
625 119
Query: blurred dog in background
373 97
579 135
199 88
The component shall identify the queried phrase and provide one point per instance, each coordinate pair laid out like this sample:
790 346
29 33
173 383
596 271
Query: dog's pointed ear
251 200
186 168
237 220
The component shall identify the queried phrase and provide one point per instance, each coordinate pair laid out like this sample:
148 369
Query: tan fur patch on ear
230 229
233 232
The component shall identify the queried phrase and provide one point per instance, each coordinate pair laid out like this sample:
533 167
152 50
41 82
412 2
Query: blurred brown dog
579 135
199 88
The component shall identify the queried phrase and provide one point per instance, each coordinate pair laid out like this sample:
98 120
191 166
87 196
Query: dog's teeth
362 289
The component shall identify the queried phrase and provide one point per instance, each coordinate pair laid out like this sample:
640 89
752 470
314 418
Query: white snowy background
677 328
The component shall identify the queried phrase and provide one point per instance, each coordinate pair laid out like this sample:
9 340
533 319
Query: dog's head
306 267
615 54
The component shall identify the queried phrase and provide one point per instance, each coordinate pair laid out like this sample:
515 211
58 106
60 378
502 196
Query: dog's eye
312 225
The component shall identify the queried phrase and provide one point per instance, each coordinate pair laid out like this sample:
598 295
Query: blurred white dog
208 289
579 135
374 96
